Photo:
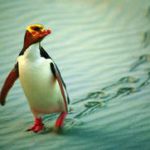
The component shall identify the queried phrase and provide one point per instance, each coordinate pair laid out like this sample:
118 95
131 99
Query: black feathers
54 69
43 53
57 75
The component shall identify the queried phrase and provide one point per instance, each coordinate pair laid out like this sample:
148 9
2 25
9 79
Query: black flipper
55 70
61 84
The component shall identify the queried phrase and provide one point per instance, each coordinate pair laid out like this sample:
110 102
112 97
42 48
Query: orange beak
47 31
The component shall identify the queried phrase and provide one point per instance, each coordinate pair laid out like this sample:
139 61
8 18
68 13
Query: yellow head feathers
32 27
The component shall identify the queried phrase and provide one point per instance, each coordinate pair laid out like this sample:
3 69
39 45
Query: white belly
40 87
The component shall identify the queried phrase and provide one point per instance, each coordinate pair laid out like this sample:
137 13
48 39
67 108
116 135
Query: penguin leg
60 121
38 125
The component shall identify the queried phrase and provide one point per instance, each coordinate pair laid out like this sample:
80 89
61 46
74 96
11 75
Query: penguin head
34 34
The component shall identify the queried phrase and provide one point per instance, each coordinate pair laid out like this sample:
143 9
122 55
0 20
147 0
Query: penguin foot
59 123
38 126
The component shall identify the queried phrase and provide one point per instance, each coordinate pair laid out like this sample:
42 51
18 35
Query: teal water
102 48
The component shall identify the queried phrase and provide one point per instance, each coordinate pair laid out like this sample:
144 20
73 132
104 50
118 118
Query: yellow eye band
30 28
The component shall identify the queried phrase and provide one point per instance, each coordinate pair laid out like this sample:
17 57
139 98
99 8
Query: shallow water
102 48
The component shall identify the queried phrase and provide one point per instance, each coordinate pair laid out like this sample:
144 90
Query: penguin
40 79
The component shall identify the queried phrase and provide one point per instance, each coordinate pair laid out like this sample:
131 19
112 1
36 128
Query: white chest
39 85
34 71
33 68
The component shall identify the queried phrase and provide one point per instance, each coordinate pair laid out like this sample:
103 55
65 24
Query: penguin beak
47 31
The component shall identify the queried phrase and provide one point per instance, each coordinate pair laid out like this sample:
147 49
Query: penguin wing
11 78
62 86
55 71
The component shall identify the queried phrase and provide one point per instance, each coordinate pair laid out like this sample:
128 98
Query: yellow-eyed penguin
40 79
